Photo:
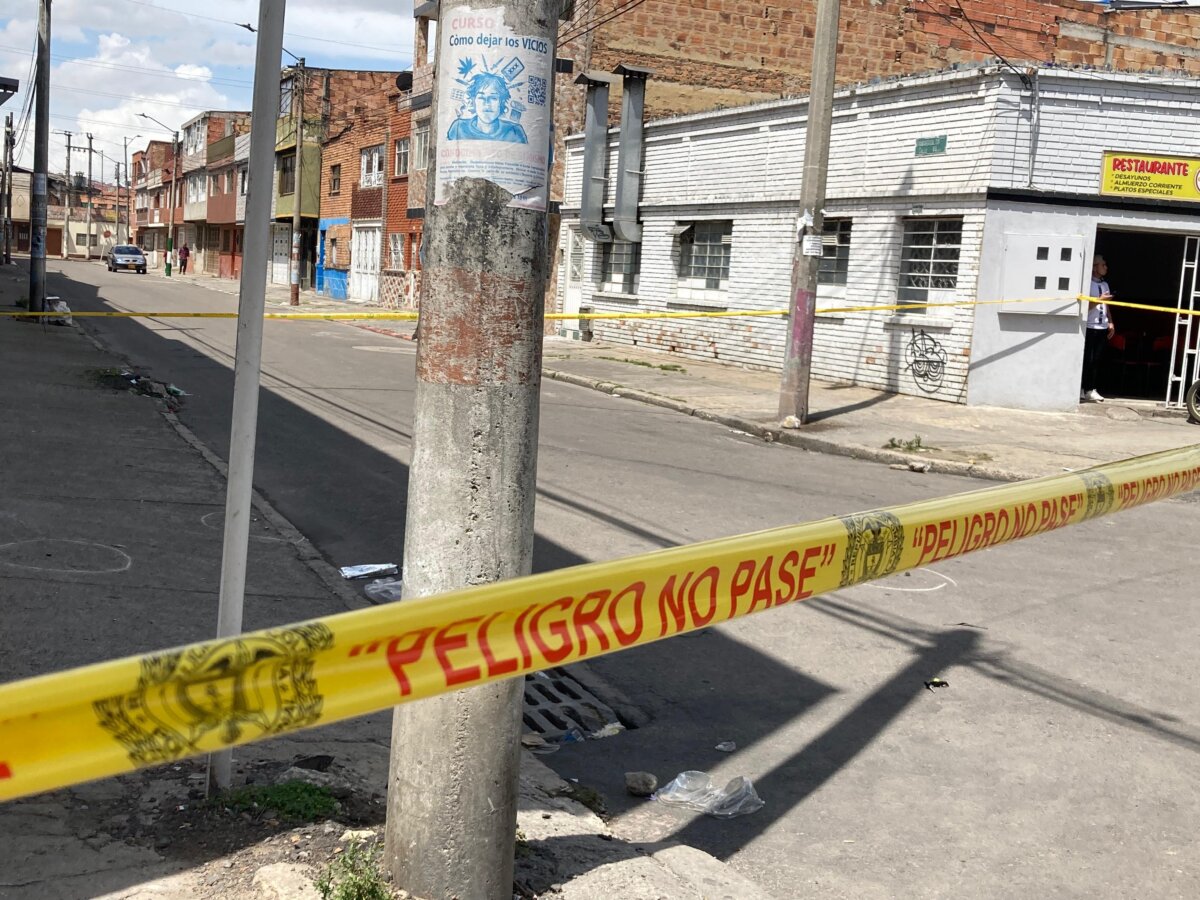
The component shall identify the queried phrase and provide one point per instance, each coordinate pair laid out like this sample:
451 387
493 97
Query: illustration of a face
488 105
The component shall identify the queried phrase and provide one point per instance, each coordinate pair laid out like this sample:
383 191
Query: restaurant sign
1142 175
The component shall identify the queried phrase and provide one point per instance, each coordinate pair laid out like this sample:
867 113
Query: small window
401 163
1043 252
331 252
704 251
335 179
287 174
229 182
420 147
371 167
243 178
1065 254
929 258
214 185
285 97
835 252
1064 284
1039 283
620 264
226 241
396 251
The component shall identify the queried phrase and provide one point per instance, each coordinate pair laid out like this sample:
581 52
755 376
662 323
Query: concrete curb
792 437
305 551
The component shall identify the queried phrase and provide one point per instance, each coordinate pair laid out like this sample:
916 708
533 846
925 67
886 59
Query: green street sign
929 146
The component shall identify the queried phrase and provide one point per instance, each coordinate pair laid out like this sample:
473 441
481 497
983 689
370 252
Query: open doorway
1143 267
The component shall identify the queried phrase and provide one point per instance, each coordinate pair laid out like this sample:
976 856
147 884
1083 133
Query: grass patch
666 367
589 798
355 875
522 849
293 801
910 446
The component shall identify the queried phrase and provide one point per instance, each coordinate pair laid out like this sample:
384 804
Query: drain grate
556 704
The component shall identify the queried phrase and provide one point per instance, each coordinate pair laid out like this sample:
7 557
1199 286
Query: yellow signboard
1140 175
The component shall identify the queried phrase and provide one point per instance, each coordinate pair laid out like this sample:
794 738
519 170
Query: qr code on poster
537 91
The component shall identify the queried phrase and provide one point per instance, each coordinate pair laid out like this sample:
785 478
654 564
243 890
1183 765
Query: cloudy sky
113 59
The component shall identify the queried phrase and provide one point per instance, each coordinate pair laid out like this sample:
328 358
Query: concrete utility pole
91 201
8 188
66 235
12 149
797 360
171 199
128 188
453 783
41 165
298 93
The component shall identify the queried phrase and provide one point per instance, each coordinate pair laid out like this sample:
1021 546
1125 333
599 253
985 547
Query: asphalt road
1060 762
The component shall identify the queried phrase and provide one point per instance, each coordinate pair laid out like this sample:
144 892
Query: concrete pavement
110 545
984 442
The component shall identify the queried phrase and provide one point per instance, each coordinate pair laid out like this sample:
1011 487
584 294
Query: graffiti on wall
925 358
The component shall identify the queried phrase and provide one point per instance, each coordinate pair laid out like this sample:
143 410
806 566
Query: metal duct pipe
629 154
595 156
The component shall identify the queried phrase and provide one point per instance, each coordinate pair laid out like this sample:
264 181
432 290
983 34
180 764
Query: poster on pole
493 113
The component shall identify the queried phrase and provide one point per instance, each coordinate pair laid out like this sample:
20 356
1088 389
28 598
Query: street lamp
174 170
128 189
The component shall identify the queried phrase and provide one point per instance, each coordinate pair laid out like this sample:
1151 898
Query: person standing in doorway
1098 333
184 253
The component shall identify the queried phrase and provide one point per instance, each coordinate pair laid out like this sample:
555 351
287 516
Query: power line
307 37
612 14
978 37
78 60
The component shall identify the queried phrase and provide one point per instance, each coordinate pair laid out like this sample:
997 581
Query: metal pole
298 93
41 165
171 225
797 361
91 201
248 354
453 782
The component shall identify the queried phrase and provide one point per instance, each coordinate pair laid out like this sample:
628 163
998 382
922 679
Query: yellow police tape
412 315
113 717
673 314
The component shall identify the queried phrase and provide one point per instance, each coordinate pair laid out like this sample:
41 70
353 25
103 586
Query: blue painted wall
332 283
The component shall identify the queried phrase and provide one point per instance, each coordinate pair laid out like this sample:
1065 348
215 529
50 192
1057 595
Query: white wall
745 165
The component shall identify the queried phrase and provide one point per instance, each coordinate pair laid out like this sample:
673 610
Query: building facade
944 190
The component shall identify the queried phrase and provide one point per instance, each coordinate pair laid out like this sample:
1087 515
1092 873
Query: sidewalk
111 517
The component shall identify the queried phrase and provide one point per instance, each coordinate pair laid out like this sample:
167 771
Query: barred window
287 174
420 147
335 179
401 167
835 255
371 167
704 249
396 251
620 264
929 258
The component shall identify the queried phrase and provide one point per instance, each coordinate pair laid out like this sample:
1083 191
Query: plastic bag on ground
384 590
62 312
695 790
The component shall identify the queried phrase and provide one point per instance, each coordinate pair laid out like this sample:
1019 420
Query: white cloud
170 60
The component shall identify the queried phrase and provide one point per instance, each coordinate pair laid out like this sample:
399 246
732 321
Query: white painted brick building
1004 196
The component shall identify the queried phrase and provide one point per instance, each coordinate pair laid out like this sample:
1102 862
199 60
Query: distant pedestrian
1098 333
184 254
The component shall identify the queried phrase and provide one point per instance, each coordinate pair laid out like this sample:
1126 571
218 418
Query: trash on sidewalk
726 746
936 683
384 590
535 743
612 728
695 790
640 784
177 392
58 312
368 569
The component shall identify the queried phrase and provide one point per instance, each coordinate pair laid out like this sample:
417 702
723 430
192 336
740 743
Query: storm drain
557 707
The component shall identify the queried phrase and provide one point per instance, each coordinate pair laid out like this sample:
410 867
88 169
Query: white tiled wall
745 165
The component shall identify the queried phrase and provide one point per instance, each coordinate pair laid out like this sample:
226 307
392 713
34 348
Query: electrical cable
606 18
